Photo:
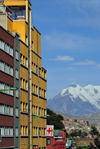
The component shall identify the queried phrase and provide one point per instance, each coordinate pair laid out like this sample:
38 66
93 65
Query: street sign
49 130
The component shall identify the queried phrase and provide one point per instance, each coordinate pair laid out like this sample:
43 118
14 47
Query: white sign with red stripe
49 130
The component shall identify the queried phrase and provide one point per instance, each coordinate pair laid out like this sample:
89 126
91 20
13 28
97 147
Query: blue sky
70 41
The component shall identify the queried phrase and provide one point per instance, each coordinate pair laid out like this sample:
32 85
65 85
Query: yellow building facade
33 77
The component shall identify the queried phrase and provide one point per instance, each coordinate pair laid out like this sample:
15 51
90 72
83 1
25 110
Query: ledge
44 136
35 136
6 114
23 66
42 78
23 89
34 72
7 136
7 73
24 112
7 53
7 94
34 94
24 136
8 147
36 53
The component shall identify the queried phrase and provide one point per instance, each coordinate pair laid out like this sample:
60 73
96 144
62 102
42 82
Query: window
32 88
17 57
11 51
1 44
21 106
26 85
26 40
39 111
26 107
7 48
16 72
36 110
20 82
36 89
39 91
2 108
36 68
6 131
21 58
17 114
26 131
17 93
44 75
23 83
21 131
11 92
26 62
6 86
6 68
1 66
44 112
11 131
16 132
32 46
5 109
44 131
36 131
32 66
39 70
48 141
39 131
11 111
44 94
2 131
17 11
11 71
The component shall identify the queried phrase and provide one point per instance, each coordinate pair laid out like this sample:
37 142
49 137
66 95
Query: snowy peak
80 97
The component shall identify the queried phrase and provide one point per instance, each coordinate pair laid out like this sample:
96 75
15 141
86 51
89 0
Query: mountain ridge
76 100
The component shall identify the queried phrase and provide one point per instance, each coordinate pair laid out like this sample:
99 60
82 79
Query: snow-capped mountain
76 100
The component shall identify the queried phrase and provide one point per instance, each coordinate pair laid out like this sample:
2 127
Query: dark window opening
18 11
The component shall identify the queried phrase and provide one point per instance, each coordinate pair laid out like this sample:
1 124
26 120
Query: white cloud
98 66
72 79
68 41
62 58
87 62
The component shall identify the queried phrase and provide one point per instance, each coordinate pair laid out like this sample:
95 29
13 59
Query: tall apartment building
29 77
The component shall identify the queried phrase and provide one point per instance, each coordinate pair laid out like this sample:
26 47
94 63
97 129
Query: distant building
56 140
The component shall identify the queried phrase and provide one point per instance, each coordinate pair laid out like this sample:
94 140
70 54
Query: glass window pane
11 131
11 110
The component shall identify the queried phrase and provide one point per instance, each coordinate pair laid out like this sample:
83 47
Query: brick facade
5 119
